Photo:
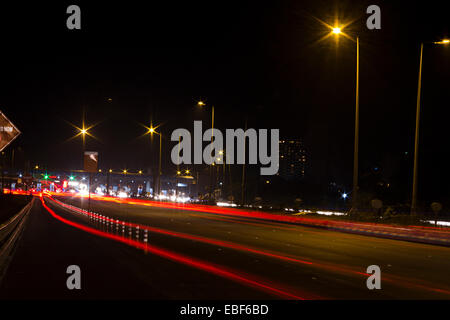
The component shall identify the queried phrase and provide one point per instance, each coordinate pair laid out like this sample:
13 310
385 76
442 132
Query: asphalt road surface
178 254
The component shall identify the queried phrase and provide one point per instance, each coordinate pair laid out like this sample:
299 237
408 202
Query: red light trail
208 267
326 266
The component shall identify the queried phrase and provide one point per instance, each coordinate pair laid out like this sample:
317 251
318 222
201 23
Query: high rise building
292 159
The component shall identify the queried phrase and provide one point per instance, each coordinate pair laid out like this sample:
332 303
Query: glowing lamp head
344 195
83 131
201 104
443 41
337 30
151 130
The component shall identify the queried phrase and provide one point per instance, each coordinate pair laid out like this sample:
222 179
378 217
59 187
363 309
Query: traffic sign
90 161
8 132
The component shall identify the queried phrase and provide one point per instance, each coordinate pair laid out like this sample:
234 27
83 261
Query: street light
151 131
202 104
443 41
336 30
416 137
83 132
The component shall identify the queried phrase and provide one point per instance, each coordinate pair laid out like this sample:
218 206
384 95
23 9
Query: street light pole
337 31
159 169
356 147
211 166
416 138
202 104
151 131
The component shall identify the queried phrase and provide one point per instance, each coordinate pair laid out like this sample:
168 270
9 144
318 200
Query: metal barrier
9 234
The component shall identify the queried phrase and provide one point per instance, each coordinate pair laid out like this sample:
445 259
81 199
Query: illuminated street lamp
443 41
202 104
124 171
83 131
416 137
151 131
337 31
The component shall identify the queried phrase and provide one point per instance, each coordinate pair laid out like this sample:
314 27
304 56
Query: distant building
292 159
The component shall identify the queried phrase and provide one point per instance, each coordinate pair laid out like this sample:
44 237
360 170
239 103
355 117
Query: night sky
253 60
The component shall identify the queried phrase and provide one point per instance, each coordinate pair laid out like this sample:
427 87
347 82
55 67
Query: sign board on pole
90 161
8 131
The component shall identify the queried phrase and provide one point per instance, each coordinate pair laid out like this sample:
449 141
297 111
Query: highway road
176 254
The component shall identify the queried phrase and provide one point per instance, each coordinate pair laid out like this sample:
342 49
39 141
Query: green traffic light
71 177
